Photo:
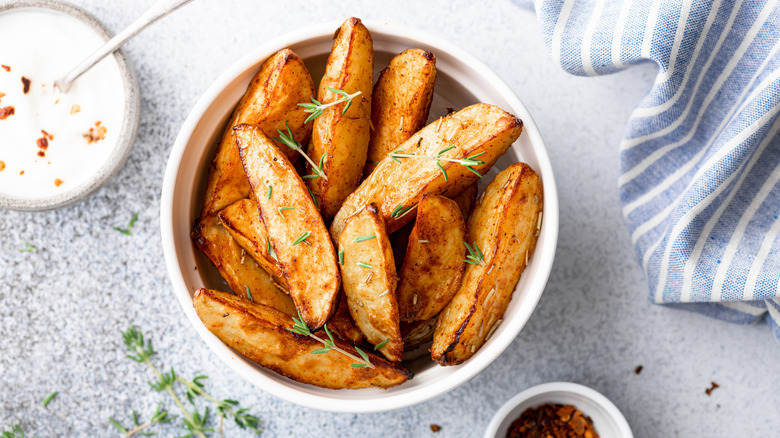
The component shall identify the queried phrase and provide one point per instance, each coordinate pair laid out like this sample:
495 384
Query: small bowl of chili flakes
558 410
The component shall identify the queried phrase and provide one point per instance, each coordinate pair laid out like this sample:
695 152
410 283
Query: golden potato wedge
270 100
482 132
400 102
417 333
242 220
340 136
342 324
368 270
294 227
504 227
260 334
466 199
433 266
238 268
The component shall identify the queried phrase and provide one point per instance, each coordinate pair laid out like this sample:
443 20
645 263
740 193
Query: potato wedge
260 334
504 227
400 102
338 136
369 277
417 333
482 131
433 266
342 324
297 235
271 99
242 220
237 268
466 199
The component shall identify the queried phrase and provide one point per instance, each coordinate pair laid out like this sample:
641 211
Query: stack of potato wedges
349 232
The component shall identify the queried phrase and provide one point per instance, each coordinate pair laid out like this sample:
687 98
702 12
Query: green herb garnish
302 237
127 231
364 238
300 328
364 265
381 344
474 256
315 108
288 139
49 398
28 247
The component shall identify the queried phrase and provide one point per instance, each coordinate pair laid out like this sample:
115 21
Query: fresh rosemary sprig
193 422
341 257
359 239
300 328
474 256
313 198
318 171
364 265
248 293
400 210
160 416
288 139
15 432
49 398
270 249
381 344
468 162
28 247
316 108
270 191
281 210
127 231
302 237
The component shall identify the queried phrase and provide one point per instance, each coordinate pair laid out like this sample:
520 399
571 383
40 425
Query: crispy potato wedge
433 266
340 136
482 131
260 334
271 99
369 281
466 199
242 220
342 324
239 270
504 227
400 102
297 236
417 333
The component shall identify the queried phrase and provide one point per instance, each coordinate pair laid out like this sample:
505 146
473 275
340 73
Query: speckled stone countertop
63 307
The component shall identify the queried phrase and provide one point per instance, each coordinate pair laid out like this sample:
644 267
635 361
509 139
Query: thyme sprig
128 231
300 328
287 138
15 432
193 422
315 108
160 416
475 256
468 162
28 247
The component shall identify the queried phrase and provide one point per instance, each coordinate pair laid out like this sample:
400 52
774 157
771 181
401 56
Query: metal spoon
158 10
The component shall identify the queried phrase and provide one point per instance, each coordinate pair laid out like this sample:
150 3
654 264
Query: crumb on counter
5 67
25 85
6 112
58 182
96 133
709 390
75 109
638 369
435 427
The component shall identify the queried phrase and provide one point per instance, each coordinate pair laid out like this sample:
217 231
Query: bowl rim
130 123
575 388
465 371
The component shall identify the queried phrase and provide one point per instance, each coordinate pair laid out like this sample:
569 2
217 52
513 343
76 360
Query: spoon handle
158 10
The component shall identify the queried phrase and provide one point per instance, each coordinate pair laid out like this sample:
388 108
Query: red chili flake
709 390
5 67
41 154
21 173
25 84
96 134
638 369
552 420
47 135
58 182
435 427
2 95
2 165
6 112
42 143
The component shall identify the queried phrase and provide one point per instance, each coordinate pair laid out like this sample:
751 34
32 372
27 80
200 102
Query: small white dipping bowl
607 419
126 138
462 80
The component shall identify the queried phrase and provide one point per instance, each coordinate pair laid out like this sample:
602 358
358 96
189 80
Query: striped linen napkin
700 156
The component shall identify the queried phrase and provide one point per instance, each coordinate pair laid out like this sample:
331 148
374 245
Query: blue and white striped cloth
700 156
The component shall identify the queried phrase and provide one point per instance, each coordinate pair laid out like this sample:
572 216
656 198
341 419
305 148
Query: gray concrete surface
62 307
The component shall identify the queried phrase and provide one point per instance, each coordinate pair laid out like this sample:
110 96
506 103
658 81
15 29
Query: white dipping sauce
42 46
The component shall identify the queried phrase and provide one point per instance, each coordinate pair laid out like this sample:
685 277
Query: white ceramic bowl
462 80
132 117
607 418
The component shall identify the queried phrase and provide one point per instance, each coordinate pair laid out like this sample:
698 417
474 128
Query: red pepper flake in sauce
552 420
21 173
2 95
709 390
41 153
6 112
58 182
5 67
25 85
2 165
96 133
